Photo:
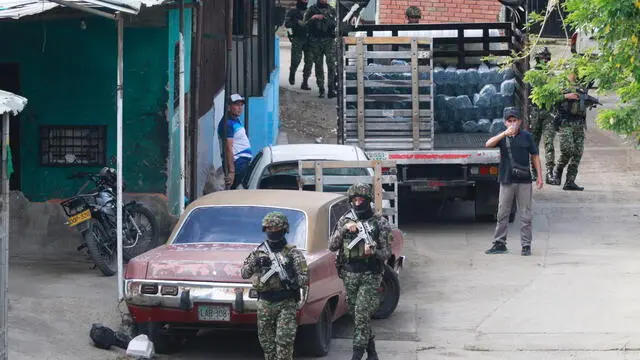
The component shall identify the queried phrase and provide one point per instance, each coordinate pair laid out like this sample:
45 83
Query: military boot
371 349
305 84
292 77
331 94
549 178
358 353
557 176
572 186
321 94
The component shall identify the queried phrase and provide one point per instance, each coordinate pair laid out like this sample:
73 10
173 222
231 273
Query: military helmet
275 219
543 55
360 189
413 12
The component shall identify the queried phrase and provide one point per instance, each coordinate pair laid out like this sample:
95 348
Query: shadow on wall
38 230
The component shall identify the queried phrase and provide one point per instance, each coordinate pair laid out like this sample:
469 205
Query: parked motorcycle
94 215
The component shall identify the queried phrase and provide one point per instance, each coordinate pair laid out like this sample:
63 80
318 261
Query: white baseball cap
236 98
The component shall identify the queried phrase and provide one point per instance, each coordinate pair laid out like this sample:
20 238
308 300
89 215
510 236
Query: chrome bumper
184 294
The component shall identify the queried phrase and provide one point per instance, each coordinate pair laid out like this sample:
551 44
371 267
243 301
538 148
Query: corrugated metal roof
11 103
15 9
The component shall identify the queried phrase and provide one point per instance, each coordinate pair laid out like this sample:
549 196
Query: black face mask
301 6
276 239
321 5
363 210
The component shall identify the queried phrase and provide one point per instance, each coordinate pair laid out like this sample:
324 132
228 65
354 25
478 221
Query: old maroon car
193 282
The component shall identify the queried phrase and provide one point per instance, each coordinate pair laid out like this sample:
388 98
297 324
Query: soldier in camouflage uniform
277 298
321 24
413 14
572 126
361 267
299 43
542 124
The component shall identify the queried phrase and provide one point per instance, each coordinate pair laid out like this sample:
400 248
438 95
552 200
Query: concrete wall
69 76
38 230
264 111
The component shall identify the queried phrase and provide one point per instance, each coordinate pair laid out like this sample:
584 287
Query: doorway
10 81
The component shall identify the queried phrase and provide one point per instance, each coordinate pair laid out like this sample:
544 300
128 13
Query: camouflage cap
275 219
413 12
360 189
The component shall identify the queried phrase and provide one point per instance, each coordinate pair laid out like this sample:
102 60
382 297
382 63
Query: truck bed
448 116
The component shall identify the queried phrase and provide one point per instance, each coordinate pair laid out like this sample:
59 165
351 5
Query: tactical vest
274 283
354 260
322 28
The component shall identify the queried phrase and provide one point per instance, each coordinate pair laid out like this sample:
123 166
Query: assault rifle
276 268
363 234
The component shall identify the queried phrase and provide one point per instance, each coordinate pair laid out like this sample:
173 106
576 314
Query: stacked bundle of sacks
467 101
472 100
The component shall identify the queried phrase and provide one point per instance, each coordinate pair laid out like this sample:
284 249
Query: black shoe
557 176
550 179
526 251
358 353
331 94
571 186
321 95
305 85
371 349
292 78
497 248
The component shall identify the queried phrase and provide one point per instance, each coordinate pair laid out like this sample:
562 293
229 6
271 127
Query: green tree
614 64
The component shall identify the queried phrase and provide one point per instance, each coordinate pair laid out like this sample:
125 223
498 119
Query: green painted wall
69 78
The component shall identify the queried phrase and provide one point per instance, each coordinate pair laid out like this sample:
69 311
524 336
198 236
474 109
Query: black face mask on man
321 5
363 210
276 239
301 5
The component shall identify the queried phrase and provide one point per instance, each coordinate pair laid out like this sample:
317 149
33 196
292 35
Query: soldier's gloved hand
263 261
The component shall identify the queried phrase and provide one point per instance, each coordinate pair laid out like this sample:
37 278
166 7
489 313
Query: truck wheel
163 341
315 339
390 294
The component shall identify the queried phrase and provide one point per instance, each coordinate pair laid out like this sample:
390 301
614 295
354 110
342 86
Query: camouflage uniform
322 42
572 126
543 125
299 44
277 299
362 274
413 14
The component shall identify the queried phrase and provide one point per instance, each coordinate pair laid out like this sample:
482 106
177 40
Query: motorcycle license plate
79 218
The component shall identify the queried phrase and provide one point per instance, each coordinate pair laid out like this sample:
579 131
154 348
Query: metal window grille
73 145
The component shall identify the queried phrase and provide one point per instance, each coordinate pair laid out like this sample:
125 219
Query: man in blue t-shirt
515 180
237 148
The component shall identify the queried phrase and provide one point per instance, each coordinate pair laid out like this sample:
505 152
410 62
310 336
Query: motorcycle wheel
149 229
101 251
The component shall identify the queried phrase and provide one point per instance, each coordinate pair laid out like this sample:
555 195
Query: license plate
79 218
214 313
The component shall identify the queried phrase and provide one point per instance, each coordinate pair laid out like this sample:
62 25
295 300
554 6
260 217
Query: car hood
197 262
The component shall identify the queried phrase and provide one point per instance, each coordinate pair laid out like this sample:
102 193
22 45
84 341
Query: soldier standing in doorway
361 267
277 298
543 124
413 14
299 43
321 24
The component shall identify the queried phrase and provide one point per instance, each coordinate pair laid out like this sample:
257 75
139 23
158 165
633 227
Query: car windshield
238 225
291 168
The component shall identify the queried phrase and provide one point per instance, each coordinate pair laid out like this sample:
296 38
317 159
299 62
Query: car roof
294 152
314 203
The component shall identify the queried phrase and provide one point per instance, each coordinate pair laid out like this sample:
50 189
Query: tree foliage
614 65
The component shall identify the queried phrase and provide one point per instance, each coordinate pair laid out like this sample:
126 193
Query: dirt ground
307 119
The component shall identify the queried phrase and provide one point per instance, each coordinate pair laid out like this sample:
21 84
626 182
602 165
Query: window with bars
73 145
